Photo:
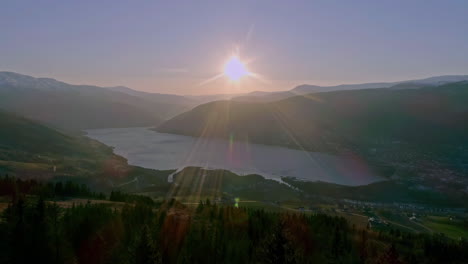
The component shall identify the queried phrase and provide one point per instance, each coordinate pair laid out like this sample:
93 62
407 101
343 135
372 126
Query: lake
150 149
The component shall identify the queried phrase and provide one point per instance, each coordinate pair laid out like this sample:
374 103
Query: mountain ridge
263 96
77 107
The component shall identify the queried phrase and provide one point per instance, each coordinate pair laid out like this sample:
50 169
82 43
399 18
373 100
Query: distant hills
76 107
315 120
157 97
259 96
182 100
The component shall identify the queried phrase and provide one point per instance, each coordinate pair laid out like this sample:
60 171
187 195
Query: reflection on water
149 149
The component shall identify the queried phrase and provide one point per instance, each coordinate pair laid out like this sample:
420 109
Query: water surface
149 149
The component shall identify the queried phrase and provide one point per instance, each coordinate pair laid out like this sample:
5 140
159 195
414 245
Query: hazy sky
173 46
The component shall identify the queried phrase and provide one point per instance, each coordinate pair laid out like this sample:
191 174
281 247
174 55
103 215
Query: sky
176 46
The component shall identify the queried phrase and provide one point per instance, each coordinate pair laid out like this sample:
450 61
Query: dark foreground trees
36 231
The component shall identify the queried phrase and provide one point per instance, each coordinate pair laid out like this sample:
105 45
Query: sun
235 69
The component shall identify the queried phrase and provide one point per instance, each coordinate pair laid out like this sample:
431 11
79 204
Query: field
454 228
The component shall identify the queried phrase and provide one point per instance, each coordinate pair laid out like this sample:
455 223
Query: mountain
202 99
76 107
339 114
187 101
259 96
183 101
405 133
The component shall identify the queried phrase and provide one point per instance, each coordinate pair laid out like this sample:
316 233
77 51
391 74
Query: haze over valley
354 136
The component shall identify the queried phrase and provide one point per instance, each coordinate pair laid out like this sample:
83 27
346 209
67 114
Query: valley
348 155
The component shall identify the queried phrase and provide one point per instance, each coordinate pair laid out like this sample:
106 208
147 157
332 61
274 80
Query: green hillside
32 150
23 135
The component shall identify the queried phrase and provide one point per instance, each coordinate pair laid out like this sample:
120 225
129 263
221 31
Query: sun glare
235 69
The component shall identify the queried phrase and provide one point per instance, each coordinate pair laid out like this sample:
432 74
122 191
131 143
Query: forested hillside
336 120
32 150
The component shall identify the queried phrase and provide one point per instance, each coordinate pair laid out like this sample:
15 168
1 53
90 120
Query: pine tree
18 234
145 252
274 249
39 251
